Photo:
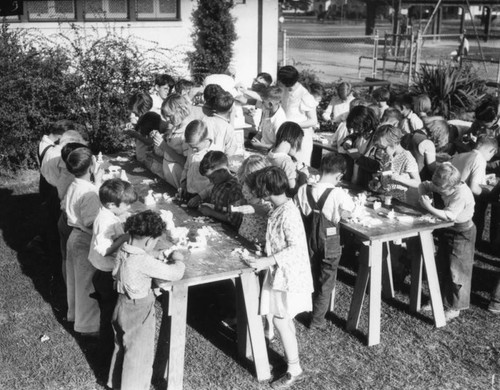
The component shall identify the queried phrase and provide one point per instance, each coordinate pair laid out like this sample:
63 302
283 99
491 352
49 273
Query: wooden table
215 263
318 147
370 269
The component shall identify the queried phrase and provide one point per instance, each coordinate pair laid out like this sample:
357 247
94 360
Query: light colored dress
403 164
288 284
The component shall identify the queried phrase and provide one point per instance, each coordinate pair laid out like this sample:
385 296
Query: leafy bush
213 37
452 89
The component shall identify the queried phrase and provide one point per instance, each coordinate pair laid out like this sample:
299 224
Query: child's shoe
494 308
288 380
451 314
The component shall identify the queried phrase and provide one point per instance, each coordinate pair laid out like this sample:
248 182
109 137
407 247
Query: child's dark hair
404 101
210 93
195 130
145 224
487 110
79 161
68 148
212 160
223 102
61 126
362 120
332 163
391 114
382 95
183 85
148 122
288 76
117 191
266 76
269 181
165 79
290 132
140 103
344 89
316 89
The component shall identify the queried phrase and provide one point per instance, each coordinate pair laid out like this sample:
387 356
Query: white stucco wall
176 35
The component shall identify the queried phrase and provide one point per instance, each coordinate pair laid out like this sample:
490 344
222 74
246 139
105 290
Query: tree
302 5
213 37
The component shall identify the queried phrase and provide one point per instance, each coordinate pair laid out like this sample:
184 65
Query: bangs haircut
273 93
423 104
392 114
117 191
165 79
288 76
270 181
213 159
290 132
446 176
145 224
140 103
79 161
251 164
362 119
195 130
382 95
333 163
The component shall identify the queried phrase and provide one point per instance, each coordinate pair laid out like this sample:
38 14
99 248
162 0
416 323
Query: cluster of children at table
107 254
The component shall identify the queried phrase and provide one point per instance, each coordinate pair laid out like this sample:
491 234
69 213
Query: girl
422 106
288 143
339 109
288 284
456 243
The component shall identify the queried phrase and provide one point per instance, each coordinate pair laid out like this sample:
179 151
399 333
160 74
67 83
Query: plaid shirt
226 194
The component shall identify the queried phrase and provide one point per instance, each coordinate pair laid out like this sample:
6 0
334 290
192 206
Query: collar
132 250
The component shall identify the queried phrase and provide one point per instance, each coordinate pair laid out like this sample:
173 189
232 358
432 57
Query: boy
382 96
472 168
219 123
411 121
134 319
226 189
164 84
273 117
456 243
82 206
322 205
108 235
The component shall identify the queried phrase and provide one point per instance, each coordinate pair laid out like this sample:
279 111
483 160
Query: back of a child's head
117 191
487 110
68 148
253 163
438 129
317 90
79 161
165 79
148 122
175 108
195 131
446 176
422 104
486 141
266 77
214 159
391 134
357 102
333 163
273 93
223 102
392 116
145 224
210 93
344 89
61 126
288 76
290 132
269 181
183 86
140 103
382 95
362 119
72 136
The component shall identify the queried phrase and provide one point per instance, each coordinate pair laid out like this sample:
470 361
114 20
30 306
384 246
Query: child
337 111
300 107
185 88
219 123
134 319
82 206
382 96
456 244
322 206
195 187
138 104
108 235
164 84
411 122
273 117
147 123
317 91
226 190
288 284
288 143
422 106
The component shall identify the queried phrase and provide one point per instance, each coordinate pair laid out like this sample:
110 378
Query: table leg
244 344
177 345
358 295
430 267
416 283
375 261
250 289
388 285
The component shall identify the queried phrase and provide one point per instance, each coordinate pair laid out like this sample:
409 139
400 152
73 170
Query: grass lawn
413 354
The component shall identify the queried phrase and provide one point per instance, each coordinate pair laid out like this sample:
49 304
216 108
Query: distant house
163 22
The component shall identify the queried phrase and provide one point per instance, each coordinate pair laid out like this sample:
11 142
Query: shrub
452 89
213 37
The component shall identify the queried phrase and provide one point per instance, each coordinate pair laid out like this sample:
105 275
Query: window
156 9
51 9
101 9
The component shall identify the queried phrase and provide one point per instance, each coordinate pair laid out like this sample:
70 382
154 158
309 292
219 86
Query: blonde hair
446 176
252 164
175 107
344 89
422 103
390 133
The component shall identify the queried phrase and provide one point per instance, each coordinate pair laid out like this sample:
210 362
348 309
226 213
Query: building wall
176 35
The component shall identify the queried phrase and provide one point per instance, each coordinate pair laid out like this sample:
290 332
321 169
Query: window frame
47 17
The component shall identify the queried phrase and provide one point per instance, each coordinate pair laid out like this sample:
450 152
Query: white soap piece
147 181
99 158
149 200
138 170
376 205
405 218
391 214
121 159
123 176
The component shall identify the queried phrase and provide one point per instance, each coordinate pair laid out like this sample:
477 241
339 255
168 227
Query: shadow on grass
22 221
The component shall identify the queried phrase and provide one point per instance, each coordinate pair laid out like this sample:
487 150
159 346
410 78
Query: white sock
294 367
